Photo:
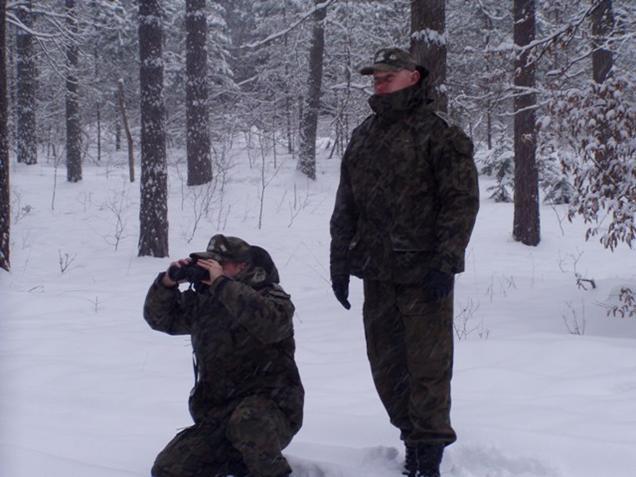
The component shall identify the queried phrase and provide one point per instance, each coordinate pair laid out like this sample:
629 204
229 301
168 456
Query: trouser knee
259 430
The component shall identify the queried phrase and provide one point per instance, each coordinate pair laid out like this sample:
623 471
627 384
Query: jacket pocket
411 259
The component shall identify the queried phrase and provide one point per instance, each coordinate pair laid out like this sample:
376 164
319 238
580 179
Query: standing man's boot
429 458
410 461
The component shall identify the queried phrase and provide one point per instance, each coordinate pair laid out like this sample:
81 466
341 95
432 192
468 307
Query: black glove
438 284
340 287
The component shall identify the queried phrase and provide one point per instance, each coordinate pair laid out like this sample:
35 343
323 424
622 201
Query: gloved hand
340 287
438 284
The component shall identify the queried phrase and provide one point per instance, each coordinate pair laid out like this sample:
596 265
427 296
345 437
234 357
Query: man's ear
416 76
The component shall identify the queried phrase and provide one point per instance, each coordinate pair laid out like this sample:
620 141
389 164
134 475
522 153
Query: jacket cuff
446 263
158 283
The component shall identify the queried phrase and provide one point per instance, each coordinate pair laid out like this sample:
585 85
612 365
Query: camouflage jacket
242 340
408 194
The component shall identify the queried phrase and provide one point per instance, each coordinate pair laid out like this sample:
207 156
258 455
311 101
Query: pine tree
526 199
428 43
5 197
26 83
311 108
153 210
198 134
73 127
602 25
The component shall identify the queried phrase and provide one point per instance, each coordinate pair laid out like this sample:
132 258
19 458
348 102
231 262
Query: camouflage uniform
247 399
406 205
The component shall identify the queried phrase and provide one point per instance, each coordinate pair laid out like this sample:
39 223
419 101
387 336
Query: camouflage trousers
410 349
247 441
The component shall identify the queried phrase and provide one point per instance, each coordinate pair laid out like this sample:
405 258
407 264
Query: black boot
429 458
410 461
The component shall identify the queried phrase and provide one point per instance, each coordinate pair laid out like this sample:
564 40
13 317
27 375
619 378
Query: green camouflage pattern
410 349
408 194
222 247
406 204
229 441
390 59
243 347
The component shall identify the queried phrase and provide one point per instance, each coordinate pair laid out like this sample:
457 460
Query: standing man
247 399
404 212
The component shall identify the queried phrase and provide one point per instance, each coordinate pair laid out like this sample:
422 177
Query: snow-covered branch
293 26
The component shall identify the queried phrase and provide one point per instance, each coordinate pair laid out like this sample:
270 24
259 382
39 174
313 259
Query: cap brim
206 256
377 67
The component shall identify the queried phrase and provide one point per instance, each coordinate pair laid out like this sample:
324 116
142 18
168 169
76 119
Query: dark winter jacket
242 339
408 193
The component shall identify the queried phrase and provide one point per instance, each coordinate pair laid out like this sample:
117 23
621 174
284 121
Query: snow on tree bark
5 197
602 25
26 104
428 44
153 210
73 128
311 109
526 227
198 135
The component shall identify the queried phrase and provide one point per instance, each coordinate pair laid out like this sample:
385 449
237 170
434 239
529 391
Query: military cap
390 59
221 247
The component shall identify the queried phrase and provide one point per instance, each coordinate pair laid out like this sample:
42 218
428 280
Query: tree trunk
428 45
309 121
602 25
98 117
98 99
526 212
129 139
73 128
5 197
198 134
117 135
25 65
153 210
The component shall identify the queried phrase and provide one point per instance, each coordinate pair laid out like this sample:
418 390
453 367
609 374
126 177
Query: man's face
232 269
385 82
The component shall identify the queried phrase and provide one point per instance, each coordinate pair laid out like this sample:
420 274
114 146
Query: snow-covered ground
88 389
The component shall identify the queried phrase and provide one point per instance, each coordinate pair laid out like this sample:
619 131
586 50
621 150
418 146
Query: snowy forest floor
88 389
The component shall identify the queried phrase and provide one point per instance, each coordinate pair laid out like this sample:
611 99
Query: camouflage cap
390 59
222 248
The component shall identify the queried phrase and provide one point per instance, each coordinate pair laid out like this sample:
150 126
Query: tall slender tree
73 127
26 79
428 44
526 227
5 198
153 209
309 120
198 134
602 25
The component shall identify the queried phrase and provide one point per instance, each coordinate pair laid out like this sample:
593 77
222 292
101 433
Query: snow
88 389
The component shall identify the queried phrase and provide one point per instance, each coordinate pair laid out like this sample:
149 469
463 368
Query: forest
545 87
133 130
